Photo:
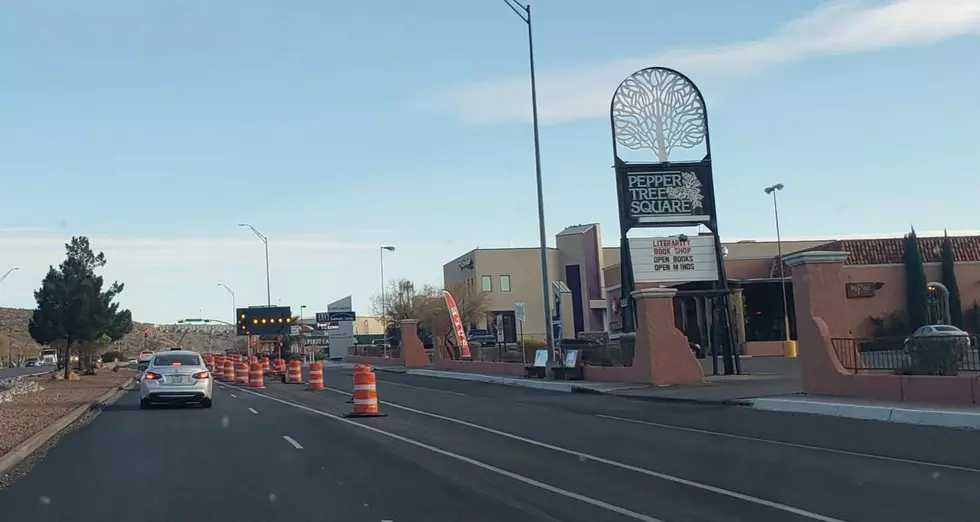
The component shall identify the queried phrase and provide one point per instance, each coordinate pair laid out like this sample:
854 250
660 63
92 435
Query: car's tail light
202 375
150 376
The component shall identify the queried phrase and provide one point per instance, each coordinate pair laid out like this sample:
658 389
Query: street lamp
234 308
524 13
779 249
384 306
265 240
14 269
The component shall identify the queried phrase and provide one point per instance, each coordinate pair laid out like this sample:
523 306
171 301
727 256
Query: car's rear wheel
145 404
206 403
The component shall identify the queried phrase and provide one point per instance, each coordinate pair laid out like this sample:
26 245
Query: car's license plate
176 379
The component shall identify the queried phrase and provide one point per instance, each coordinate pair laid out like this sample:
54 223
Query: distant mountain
14 336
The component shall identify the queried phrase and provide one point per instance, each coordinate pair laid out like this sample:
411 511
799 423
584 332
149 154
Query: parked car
481 337
936 330
32 362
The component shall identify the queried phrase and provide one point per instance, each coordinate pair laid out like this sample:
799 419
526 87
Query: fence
936 355
375 350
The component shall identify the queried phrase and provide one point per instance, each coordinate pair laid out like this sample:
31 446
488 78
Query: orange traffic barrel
241 373
255 378
265 365
228 372
316 376
365 395
280 365
294 374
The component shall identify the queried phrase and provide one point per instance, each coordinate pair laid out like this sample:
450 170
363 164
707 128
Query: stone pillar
662 351
413 352
821 315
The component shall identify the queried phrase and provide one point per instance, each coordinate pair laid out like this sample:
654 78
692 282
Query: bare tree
403 300
472 304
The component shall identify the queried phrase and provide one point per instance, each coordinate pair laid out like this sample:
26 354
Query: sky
334 128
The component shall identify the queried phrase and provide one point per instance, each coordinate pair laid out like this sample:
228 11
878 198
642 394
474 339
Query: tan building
511 275
367 325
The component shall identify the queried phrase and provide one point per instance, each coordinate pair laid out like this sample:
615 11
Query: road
455 450
16 372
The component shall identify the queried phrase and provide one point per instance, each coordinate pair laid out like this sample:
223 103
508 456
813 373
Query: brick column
413 352
662 351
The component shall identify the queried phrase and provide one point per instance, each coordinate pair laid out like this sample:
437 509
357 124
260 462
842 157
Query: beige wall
523 267
367 325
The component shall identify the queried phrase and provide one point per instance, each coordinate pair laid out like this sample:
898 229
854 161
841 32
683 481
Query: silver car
175 377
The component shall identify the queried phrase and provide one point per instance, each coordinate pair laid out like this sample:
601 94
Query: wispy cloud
835 28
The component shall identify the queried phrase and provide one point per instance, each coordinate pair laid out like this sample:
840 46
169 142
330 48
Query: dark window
183 359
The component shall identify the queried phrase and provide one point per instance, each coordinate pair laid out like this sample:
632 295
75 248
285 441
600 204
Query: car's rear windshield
946 329
183 359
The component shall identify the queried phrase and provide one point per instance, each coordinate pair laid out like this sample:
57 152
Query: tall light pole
234 307
265 240
779 250
384 304
7 273
524 13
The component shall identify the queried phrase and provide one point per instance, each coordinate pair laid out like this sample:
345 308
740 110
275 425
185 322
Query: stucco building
591 273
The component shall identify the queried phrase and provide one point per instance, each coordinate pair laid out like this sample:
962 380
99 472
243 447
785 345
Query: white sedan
176 377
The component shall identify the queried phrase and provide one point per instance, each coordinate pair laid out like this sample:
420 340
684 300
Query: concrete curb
12 458
922 417
557 386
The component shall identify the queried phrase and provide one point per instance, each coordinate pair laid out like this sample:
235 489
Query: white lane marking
792 444
622 465
520 478
424 388
233 395
288 438
252 410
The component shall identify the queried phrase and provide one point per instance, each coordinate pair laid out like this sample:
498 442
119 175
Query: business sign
676 196
316 341
678 259
340 316
322 317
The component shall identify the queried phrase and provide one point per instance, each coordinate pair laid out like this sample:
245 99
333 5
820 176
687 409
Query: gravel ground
28 414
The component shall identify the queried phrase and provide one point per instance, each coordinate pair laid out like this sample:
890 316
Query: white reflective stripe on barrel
363 387
363 402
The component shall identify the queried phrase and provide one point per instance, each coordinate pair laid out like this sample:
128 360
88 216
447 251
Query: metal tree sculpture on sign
658 109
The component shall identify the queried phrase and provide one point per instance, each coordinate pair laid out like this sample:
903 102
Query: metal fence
375 350
919 355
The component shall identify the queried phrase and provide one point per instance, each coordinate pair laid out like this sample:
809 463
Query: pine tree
949 281
72 309
915 283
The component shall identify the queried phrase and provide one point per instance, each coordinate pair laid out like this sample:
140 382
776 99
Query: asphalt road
16 372
456 450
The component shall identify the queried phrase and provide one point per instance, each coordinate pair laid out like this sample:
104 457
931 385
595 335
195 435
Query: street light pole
234 307
265 240
524 13
384 304
779 250
301 345
14 269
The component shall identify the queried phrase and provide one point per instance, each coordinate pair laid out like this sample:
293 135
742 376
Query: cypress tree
915 283
949 280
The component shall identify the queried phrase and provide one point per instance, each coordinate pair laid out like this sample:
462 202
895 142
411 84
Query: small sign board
677 259
541 358
322 317
859 290
520 312
316 341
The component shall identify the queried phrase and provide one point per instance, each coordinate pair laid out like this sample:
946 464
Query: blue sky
155 127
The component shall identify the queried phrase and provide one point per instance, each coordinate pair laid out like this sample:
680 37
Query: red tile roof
891 251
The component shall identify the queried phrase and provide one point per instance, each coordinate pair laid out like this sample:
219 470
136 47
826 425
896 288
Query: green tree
72 308
915 282
949 281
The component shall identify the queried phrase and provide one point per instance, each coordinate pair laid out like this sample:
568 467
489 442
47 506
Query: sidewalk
941 415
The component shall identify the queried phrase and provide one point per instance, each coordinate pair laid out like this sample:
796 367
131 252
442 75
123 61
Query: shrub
113 356
935 355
